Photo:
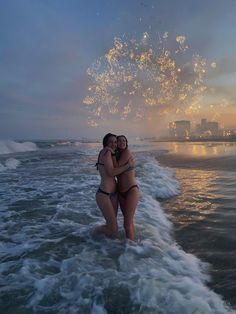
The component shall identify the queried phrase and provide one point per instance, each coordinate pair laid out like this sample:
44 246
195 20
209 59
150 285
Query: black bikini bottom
106 193
124 194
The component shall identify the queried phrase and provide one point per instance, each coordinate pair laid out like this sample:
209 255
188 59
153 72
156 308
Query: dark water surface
204 214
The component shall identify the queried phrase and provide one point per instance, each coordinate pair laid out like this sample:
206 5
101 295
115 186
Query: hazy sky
46 47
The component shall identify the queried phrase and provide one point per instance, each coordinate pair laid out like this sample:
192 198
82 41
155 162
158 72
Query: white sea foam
156 180
8 147
57 258
10 163
153 275
67 143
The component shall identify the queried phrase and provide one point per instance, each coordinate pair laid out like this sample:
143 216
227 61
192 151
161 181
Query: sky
47 46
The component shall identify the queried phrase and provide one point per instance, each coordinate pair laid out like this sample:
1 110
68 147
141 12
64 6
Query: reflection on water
203 149
204 213
202 156
196 201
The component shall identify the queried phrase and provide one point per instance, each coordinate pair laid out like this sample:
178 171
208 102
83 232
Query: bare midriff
126 180
108 183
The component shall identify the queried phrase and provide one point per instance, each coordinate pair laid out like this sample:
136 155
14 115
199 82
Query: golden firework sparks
134 70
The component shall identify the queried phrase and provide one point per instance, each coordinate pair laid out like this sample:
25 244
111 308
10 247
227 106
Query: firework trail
135 79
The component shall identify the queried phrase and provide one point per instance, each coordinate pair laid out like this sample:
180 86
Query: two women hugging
118 185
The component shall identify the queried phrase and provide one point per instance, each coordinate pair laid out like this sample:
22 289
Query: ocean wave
52 257
155 179
64 143
9 147
153 275
10 163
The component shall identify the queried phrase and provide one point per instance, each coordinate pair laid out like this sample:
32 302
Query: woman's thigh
121 203
115 204
106 207
130 203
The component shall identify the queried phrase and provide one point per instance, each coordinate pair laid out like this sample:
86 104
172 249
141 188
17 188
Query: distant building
207 128
227 133
180 129
205 131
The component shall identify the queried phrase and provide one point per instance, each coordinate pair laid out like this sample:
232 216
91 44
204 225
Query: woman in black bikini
128 191
106 196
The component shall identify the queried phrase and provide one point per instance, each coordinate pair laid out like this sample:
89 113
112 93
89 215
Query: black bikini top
98 163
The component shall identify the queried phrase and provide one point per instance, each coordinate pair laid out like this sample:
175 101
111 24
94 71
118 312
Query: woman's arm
125 156
113 155
115 162
110 169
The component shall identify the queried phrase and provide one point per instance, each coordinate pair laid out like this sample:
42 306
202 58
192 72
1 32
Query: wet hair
125 139
106 139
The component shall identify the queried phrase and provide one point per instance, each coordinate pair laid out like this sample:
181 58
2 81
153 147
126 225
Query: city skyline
205 129
49 50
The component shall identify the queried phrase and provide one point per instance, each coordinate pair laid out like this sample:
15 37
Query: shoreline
205 206
220 163
193 140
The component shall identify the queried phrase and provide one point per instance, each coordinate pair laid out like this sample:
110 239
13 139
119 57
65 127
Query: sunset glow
69 67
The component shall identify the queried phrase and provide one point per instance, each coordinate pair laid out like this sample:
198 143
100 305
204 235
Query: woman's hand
109 149
131 161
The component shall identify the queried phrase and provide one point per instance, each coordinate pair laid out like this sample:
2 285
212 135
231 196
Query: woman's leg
115 204
121 201
106 207
129 207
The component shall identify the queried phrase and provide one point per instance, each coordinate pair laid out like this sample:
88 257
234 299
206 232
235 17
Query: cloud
219 92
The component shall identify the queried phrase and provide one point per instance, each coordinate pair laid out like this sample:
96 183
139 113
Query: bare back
108 182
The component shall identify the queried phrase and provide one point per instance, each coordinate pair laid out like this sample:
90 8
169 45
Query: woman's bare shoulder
125 156
126 153
105 153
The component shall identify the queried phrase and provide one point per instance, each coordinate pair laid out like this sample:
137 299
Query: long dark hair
118 136
106 139
118 151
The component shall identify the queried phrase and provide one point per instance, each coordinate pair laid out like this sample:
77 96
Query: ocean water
52 263
204 213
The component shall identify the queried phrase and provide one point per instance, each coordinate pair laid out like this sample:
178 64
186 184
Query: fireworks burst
134 78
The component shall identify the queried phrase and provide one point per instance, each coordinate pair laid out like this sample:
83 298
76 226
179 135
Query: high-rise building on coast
207 128
180 129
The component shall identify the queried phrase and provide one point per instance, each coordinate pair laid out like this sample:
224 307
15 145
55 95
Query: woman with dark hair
106 196
128 191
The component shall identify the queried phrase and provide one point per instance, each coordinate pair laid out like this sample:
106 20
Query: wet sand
224 163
